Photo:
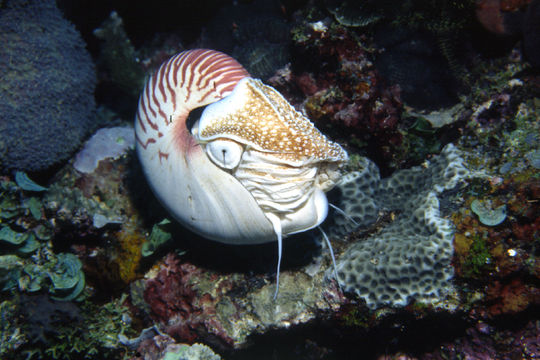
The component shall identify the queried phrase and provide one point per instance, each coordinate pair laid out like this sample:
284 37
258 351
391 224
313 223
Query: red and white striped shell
251 169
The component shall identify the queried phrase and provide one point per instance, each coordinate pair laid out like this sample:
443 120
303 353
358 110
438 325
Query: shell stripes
188 80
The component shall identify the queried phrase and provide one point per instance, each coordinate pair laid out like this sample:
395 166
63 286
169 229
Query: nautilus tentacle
251 169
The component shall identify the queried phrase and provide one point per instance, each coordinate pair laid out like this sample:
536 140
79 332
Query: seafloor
438 256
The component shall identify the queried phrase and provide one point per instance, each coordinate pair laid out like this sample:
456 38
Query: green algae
12 237
67 278
11 336
478 260
357 318
159 236
25 183
27 262
96 335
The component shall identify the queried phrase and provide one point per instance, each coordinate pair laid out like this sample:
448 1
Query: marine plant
11 336
478 259
59 330
158 237
27 262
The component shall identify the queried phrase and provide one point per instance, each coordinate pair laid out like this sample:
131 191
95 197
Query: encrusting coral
409 258
104 144
47 90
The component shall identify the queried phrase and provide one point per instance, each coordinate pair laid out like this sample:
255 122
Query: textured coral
486 342
342 90
163 347
46 94
190 303
175 303
409 258
502 257
96 215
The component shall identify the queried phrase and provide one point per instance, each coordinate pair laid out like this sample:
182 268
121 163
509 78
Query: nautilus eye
225 153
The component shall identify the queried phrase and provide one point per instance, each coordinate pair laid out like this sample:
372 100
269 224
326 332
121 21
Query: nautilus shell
251 170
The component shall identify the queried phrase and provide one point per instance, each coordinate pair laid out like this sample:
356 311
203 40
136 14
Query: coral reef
409 258
419 44
349 13
163 347
423 73
190 303
500 257
487 342
96 216
119 56
105 143
342 93
503 255
27 262
47 94
153 290
11 335
63 330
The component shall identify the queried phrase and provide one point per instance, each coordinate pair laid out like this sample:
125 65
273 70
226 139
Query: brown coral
511 297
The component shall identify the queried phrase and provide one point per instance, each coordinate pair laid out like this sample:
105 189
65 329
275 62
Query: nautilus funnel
251 169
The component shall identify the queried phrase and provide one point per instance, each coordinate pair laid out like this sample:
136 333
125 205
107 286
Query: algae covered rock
46 92
187 352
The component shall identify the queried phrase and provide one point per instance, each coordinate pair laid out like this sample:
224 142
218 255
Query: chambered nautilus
251 170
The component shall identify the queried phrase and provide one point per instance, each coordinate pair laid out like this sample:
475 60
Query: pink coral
177 303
